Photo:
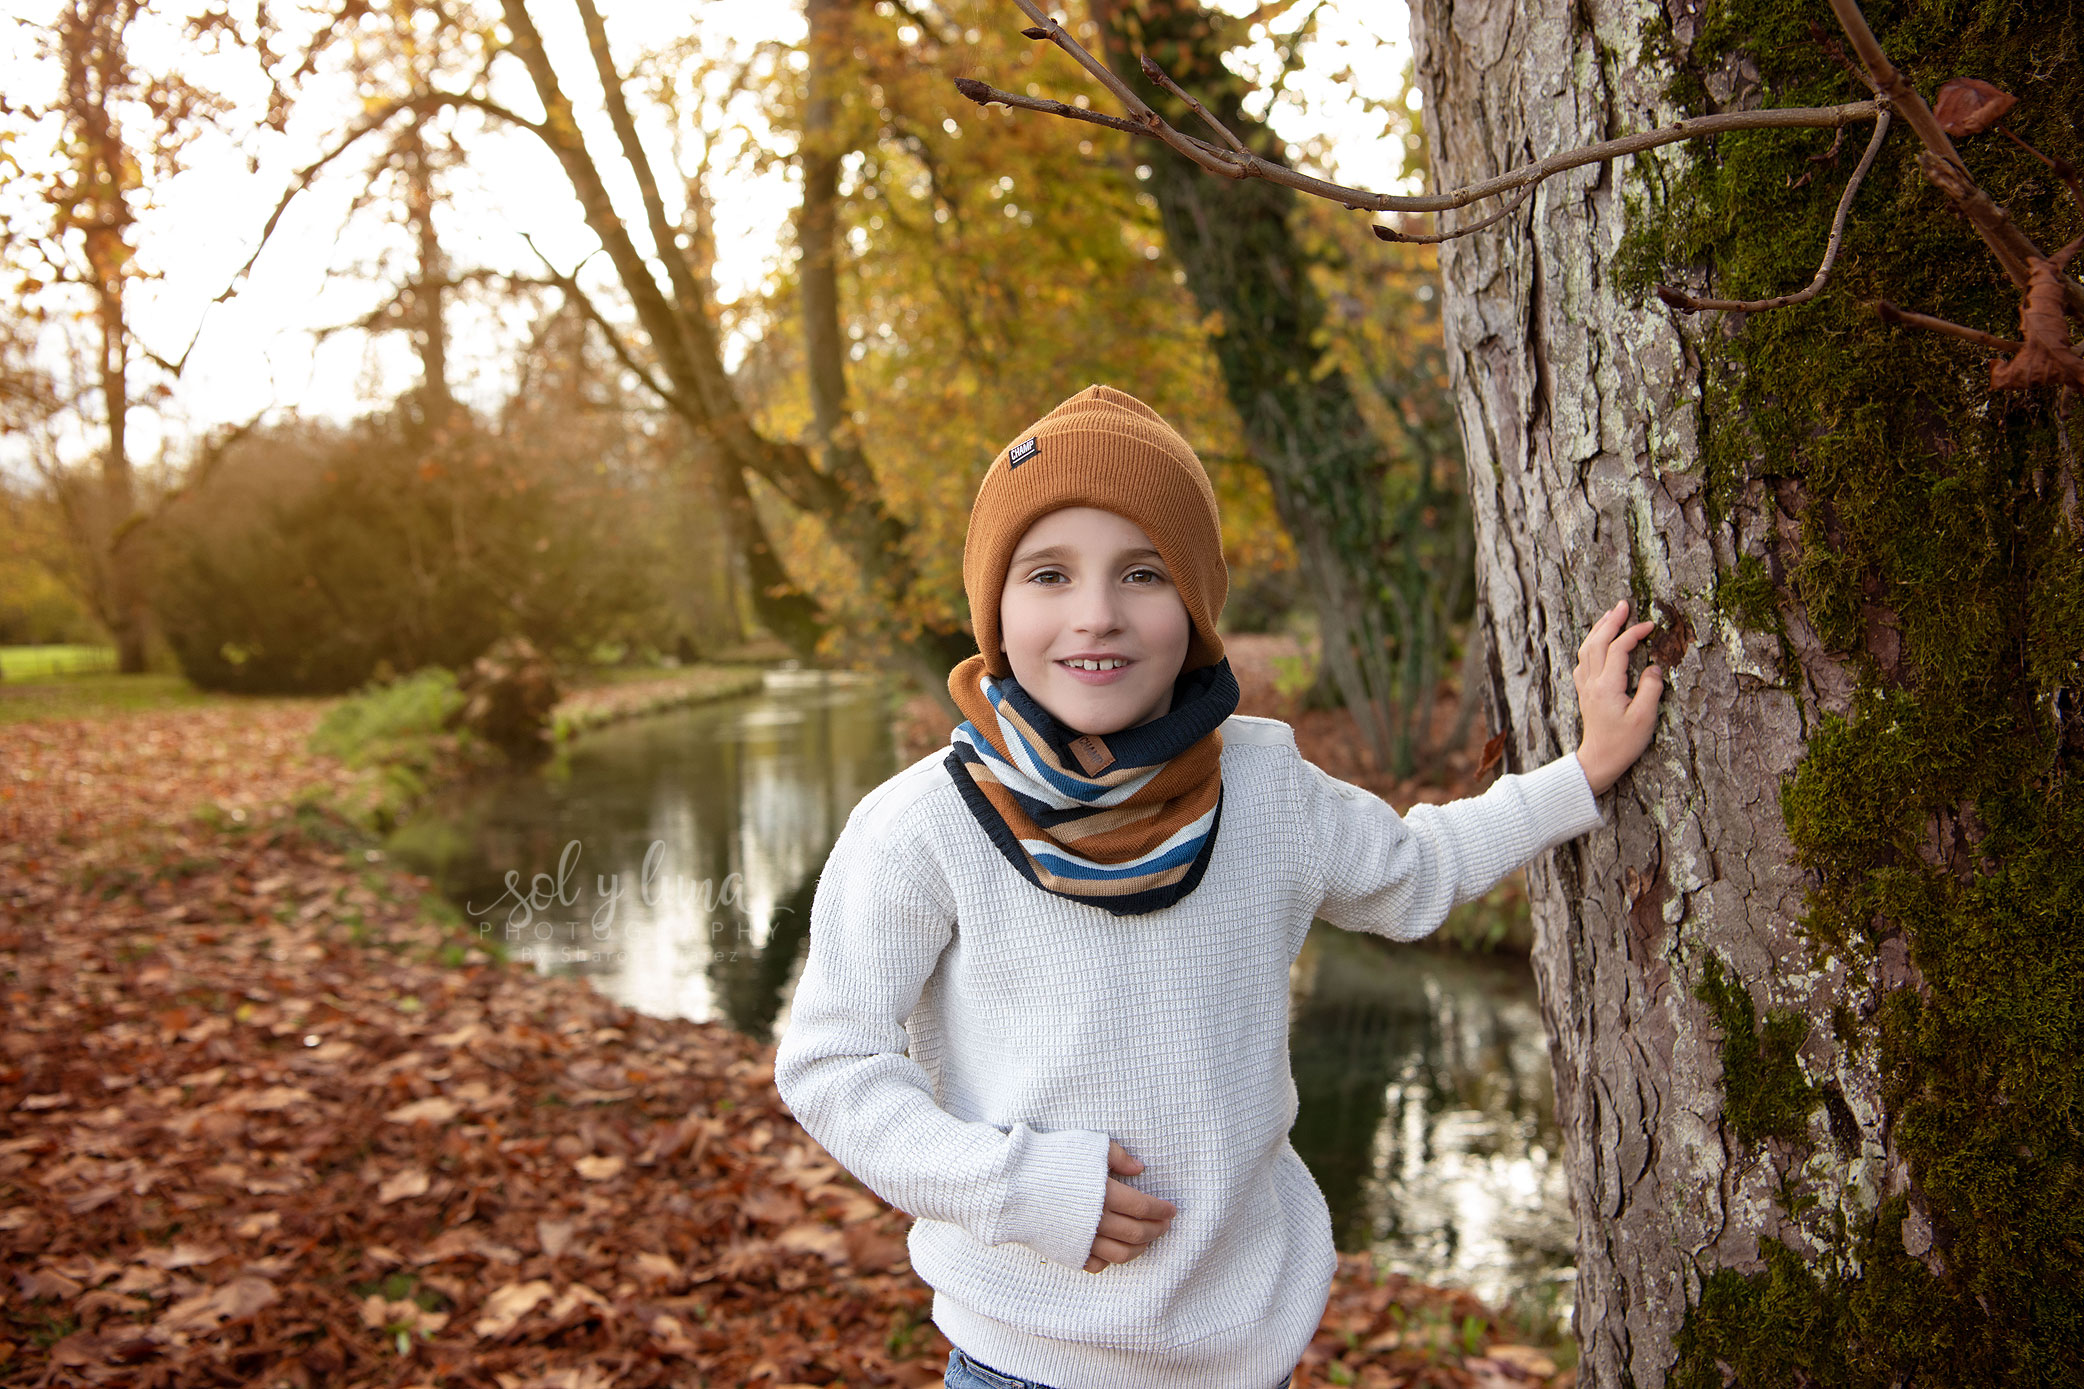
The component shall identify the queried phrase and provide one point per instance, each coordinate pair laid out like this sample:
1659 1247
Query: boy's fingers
1142 1205
1647 692
1114 1251
1623 643
1127 1231
1603 630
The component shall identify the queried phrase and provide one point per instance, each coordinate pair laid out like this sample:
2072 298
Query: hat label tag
1024 450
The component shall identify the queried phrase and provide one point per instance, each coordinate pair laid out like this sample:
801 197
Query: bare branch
570 285
1891 314
1238 164
2061 168
1158 75
199 473
369 124
1389 233
1103 74
983 93
1686 303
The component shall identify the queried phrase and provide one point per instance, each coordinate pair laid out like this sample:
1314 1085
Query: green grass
106 694
41 662
37 689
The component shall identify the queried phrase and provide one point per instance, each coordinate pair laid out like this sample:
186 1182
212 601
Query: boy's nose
1102 623
1098 611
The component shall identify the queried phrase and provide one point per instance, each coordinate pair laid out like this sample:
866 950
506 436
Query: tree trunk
1791 1028
424 299
125 612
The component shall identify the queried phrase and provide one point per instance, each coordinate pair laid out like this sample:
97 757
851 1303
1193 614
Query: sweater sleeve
1399 876
876 933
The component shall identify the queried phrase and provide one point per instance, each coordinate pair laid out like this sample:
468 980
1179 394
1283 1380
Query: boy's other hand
1617 727
1130 1219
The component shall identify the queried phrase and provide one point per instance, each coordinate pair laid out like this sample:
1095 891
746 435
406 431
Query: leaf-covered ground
270 1120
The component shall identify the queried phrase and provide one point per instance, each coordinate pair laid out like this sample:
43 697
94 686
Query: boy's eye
1042 575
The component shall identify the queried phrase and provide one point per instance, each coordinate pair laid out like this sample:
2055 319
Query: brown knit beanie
1101 448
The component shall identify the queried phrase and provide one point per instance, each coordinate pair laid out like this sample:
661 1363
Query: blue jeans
965 1373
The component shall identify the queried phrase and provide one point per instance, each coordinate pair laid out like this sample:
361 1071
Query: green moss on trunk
1947 810
1764 1091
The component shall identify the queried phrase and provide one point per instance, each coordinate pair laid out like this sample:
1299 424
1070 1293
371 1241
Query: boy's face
1086 582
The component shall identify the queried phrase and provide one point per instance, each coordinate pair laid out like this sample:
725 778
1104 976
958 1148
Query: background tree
1815 999
68 241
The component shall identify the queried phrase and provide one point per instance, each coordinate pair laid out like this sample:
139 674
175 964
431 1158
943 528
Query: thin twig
1158 75
1687 303
1233 165
570 285
1891 314
1242 164
1101 73
1829 156
2061 168
1389 233
983 93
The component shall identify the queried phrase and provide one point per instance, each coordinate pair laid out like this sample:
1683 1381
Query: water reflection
672 859
1426 1113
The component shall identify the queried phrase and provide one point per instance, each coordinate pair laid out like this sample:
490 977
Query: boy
1056 956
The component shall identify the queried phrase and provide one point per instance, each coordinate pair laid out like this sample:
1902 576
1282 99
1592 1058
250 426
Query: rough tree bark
1580 421
1590 419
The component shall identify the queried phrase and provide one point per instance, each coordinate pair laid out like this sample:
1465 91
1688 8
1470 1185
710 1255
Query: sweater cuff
1056 1190
1560 800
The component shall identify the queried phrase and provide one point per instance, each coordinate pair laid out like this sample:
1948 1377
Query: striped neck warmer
1125 822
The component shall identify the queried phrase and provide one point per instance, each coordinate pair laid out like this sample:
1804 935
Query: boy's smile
1092 625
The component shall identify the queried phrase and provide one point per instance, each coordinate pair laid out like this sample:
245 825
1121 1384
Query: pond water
671 859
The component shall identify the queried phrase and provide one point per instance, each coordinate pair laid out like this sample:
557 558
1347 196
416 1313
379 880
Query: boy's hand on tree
1617 727
1130 1219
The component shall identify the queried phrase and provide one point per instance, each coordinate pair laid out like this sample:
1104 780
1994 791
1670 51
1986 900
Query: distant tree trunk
96 62
879 535
426 296
124 606
1795 1028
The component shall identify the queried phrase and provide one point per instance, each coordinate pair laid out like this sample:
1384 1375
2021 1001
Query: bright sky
327 264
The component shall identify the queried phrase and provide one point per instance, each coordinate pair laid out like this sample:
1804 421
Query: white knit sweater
966 1044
